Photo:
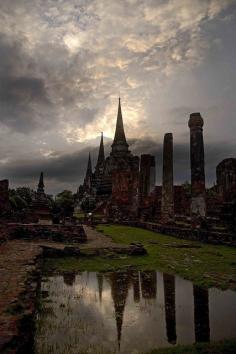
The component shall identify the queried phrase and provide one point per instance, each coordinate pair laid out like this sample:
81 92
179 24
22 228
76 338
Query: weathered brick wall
147 176
182 201
226 179
4 197
201 235
152 204
56 233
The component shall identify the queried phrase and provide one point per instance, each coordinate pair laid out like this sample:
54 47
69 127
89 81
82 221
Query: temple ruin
40 205
123 186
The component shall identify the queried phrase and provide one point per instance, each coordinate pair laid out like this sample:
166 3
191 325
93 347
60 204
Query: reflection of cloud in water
141 310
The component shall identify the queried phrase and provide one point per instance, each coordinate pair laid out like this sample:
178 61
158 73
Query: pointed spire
119 142
40 188
101 154
89 174
89 167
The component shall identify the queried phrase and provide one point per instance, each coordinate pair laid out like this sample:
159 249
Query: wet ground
129 312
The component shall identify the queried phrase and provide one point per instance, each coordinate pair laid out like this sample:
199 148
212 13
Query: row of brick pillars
198 203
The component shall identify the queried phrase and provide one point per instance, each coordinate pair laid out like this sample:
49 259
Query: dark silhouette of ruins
122 186
40 205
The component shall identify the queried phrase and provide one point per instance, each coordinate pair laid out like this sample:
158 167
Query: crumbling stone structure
182 200
40 207
123 190
116 178
147 175
198 202
123 168
226 179
4 197
147 179
167 203
99 169
226 193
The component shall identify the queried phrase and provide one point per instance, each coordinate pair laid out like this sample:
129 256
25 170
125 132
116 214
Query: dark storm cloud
13 57
19 98
12 88
26 105
64 168
22 96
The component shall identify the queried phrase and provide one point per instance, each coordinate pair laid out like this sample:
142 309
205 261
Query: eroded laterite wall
4 196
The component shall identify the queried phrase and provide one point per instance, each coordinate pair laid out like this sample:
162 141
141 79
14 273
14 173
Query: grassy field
204 264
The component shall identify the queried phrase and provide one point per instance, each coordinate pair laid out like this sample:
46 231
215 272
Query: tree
26 194
20 198
64 202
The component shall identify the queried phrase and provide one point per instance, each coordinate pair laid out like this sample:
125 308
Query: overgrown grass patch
205 264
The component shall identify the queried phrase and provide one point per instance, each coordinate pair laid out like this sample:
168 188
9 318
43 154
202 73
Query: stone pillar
198 202
167 200
147 175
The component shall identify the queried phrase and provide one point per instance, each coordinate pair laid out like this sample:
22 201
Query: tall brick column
147 175
167 200
198 202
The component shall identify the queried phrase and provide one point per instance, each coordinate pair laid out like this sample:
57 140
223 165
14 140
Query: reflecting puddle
129 312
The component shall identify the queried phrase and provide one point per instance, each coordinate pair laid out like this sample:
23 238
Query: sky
64 64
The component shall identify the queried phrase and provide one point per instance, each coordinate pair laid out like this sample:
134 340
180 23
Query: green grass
224 347
79 215
207 265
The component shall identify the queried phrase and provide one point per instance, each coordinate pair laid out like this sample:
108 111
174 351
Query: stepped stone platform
56 233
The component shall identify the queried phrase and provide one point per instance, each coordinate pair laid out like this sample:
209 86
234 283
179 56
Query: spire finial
119 143
40 188
101 153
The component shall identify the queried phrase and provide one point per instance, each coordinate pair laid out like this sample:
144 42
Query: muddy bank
20 269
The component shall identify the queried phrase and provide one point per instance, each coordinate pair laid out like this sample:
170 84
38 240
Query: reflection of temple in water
149 284
169 293
100 285
120 282
124 312
145 284
136 285
69 278
201 314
